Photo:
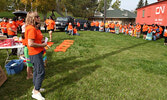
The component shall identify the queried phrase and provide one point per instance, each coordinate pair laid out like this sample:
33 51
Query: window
143 13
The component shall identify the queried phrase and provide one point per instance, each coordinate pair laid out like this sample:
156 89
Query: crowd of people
34 44
150 32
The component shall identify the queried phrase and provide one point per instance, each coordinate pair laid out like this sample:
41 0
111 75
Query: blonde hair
30 19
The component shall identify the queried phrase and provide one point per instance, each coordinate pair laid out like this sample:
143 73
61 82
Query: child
70 29
149 34
75 31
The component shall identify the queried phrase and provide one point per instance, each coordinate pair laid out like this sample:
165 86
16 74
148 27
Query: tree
140 4
146 3
116 4
81 8
2 5
101 5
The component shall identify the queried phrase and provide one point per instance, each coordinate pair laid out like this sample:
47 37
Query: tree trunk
58 8
44 16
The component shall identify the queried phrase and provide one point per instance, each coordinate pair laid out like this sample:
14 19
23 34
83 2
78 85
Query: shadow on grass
66 64
17 86
71 78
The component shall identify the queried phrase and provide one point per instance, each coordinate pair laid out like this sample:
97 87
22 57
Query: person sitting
70 29
149 33
75 32
85 27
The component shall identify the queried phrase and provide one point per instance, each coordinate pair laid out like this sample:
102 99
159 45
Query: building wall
153 14
120 20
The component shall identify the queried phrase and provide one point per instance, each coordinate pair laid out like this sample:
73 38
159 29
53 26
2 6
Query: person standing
3 26
138 30
50 26
97 25
145 29
11 29
35 48
78 26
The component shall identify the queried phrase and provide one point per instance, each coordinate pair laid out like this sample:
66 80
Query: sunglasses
37 16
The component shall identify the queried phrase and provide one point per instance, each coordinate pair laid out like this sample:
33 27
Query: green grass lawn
98 66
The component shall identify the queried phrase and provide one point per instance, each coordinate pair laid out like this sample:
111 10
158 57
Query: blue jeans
70 32
39 70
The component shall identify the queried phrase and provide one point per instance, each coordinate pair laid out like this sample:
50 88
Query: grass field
98 66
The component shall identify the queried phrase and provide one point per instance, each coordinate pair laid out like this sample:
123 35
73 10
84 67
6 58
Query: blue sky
132 4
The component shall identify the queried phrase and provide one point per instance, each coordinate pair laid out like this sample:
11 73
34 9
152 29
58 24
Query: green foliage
81 8
3 5
101 5
98 66
146 3
140 4
6 14
116 4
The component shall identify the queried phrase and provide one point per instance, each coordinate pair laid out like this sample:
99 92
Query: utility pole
105 3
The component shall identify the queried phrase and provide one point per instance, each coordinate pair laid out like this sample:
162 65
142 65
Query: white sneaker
38 96
41 90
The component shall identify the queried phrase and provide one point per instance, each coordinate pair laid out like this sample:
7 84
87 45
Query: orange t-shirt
145 28
138 28
92 24
13 27
112 25
24 42
150 29
50 24
75 31
102 24
117 25
120 27
165 33
4 25
78 24
32 33
97 23
160 30
16 24
70 27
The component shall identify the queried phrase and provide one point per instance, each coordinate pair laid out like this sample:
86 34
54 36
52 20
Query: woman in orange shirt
138 30
145 29
50 26
35 46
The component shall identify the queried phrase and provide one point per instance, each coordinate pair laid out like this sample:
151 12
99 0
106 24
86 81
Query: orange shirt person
70 29
11 29
145 29
160 30
97 25
3 26
92 25
50 26
35 47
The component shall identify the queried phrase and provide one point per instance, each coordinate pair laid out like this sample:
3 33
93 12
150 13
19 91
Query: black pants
6 34
39 70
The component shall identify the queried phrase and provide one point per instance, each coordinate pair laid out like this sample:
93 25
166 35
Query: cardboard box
3 77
